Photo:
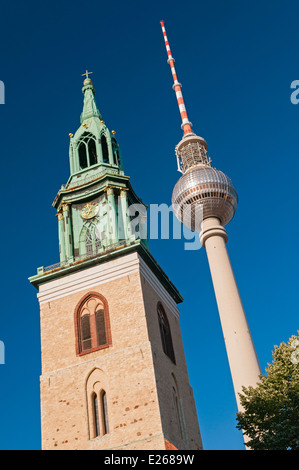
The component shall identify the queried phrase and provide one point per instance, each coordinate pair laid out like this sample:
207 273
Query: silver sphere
207 191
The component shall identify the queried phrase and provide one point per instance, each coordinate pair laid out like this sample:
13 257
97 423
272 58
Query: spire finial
86 74
87 80
186 124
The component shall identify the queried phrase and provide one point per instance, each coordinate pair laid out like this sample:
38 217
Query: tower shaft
208 189
241 353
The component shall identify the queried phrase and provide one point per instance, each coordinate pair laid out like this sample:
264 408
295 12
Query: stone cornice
147 260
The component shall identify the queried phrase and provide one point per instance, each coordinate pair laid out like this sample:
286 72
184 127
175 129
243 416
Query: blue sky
236 61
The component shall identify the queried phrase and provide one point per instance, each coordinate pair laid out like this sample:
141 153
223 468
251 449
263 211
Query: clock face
90 210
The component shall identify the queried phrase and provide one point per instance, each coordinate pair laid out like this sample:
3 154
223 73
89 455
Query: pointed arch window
104 149
97 393
87 150
90 239
92 324
92 152
82 156
165 333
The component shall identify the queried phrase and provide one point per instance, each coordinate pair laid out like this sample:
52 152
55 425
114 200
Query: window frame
97 404
78 331
85 139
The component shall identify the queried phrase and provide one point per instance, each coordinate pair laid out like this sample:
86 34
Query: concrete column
241 353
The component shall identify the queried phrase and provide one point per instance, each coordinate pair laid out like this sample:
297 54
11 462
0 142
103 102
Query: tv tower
204 189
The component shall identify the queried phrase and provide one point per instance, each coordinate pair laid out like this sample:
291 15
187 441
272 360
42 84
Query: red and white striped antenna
186 124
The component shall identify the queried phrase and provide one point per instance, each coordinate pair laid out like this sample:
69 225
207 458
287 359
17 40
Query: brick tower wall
132 369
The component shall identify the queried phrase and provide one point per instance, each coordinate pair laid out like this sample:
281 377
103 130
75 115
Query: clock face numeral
90 210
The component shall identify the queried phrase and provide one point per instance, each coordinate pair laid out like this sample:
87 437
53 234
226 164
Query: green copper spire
89 108
94 151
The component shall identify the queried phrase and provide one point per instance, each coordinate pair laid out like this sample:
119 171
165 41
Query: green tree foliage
270 419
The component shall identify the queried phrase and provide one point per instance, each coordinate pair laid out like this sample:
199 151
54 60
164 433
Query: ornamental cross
86 74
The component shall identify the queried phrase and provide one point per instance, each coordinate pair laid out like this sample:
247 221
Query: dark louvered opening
85 332
82 156
92 152
100 325
105 149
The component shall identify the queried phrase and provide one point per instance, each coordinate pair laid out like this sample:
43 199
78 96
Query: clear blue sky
236 61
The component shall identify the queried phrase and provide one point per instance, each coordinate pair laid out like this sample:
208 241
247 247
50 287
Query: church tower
114 374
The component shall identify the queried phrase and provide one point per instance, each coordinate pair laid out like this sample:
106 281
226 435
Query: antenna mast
186 124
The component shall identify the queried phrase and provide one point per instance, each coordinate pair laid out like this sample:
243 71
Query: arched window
82 156
165 333
92 324
87 150
90 239
105 149
97 388
92 152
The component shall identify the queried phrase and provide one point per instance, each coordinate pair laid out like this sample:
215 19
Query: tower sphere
202 191
205 189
